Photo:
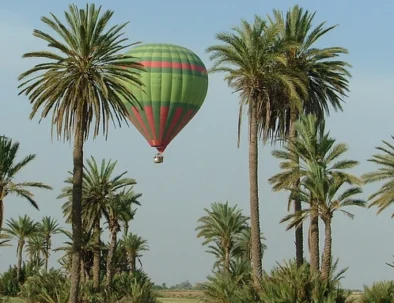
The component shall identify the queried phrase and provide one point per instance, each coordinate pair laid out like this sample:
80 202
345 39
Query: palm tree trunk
82 270
19 268
254 197
227 259
96 255
76 212
299 239
110 256
133 259
314 239
46 254
326 262
1 209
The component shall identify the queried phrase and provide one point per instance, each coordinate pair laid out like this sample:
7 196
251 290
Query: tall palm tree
120 207
254 65
384 197
98 188
20 230
134 245
220 228
47 228
84 81
9 169
326 79
310 158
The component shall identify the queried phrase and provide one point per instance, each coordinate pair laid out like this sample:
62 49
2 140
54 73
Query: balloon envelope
175 86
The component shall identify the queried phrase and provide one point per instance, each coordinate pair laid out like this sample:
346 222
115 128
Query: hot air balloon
175 85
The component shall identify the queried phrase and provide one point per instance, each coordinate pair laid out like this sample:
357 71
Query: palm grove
286 84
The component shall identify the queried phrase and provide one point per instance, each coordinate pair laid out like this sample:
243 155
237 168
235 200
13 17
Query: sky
203 164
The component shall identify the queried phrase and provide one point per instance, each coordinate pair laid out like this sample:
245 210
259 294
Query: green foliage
133 288
50 287
9 285
225 287
287 283
379 292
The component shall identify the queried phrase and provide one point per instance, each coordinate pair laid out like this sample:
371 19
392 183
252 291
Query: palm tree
384 197
310 158
120 207
36 247
9 169
85 81
255 66
20 230
98 188
47 228
332 202
220 227
326 79
134 245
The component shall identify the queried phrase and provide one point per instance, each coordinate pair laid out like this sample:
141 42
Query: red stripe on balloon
189 115
136 124
141 122
166 64
177 115
163 120
151 121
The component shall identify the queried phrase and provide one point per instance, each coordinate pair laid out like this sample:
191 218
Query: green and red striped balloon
175 86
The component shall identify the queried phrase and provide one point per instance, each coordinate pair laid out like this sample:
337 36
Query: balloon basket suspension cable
158 158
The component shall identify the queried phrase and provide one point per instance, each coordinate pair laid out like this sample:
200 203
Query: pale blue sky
202 164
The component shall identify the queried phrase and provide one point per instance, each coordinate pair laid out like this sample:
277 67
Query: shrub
379 292
287 283
50 287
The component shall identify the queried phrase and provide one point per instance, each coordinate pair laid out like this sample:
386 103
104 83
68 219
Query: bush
50 287
287 283
135 288
379 292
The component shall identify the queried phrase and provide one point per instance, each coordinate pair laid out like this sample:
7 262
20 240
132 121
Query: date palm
84 84
220 227
254 66
98 188
36 247
48 227
310 158
332 202
20 230
134 245
119 208
10 167
326 78
384 197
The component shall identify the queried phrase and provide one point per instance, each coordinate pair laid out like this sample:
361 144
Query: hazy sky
203 164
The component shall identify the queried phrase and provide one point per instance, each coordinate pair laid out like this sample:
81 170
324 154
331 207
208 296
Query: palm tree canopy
222 223
327 77
315 158
383 197
22 228
313 154
85 77
99 187
255 66
9 169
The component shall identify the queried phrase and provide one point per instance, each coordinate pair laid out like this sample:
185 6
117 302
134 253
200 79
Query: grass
178 300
